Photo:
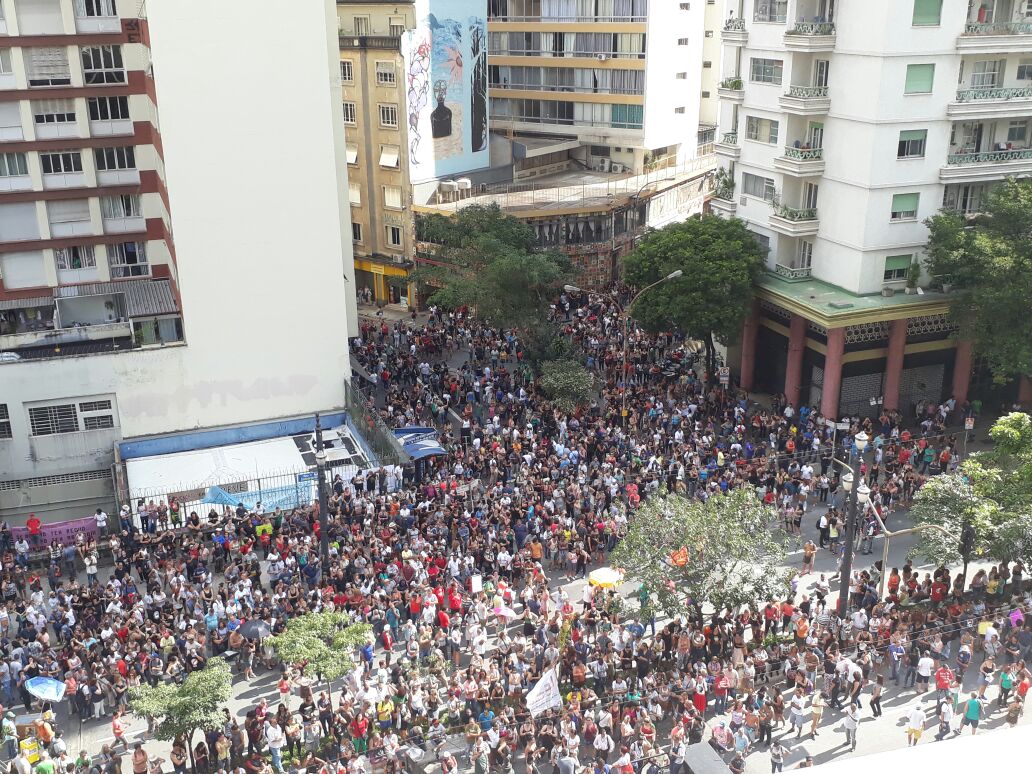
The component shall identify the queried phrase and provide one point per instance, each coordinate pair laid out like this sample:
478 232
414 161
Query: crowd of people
461 576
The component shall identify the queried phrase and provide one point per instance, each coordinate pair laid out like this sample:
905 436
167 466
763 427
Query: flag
544 694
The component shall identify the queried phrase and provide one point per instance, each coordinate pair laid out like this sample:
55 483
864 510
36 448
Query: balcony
810 37
991 103
111 128
1011 37
987 165
72 335
68 129
118 176
15 183
734 32
792 273
723 200
731 89
799 161
64 180
92 25
794 222
806 100
728 146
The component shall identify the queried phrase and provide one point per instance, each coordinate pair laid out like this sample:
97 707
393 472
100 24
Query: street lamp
320 463
626 320
572 289
857 495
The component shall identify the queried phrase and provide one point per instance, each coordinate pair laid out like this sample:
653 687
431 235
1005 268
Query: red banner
62 531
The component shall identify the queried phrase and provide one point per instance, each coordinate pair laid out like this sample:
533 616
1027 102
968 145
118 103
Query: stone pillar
962 371
794 362
833 373
750 328
894 364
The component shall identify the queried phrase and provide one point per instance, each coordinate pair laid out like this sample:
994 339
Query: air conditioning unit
603 164
614 167
602 57
464 183
742 200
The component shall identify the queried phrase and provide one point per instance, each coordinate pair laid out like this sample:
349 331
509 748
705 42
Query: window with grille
349 113
88 8
98 423
102 64
766 70
347 70
12 164
108 108
97 415
5 422
389 116
385 75
53 111
48 67
109 159
128 259
61 163
117 207
78 257
53 420
95 405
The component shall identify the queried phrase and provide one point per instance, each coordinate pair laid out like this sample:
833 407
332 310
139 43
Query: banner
63 532
544 694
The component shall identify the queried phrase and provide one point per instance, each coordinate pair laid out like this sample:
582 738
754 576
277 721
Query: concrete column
1025 391
833 372
894 364
750 328
794 362
962 371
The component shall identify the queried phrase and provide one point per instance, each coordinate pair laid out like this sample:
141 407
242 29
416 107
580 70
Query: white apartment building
843 127
118 130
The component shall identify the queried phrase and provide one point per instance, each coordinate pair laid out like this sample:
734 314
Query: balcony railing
989 157
807 92
734 83
972 95
792 213
812 28
725 192
804 154
735 25
730 138
999 28
791 272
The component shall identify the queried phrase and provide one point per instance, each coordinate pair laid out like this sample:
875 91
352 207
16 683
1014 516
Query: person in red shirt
35 527
358 728
943 681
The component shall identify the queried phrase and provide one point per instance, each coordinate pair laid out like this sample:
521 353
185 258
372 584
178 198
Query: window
760 187
97 415
119 207
389 155
904 206
919 79
5 422
349 113
986 74
352 153
102 64
804 254
361 25
347 70
896 267
95 8
354 194
679 110
761 130
12 164
98 423
396 26
51 420
48 67
927 13
1017 131
912 144
61 163
128 259
5 61
705 95
80 257
774 11
115 158
356 232
682 41
709 33
686 6
53 111
681 76
394 236
1024 70
707 65
108 108
61 211
765 71
392 197
389 115
385 75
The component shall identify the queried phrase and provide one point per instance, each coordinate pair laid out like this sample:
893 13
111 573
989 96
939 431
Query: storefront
384 282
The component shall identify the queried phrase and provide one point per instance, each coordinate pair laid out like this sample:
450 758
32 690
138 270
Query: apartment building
372 73
119 129
842 127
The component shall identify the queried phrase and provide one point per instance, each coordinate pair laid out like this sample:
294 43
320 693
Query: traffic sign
724 374
311 475
969 423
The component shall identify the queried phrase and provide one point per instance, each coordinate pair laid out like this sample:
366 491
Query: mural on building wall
446 79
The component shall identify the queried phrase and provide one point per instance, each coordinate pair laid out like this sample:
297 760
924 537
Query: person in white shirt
915 725
925 665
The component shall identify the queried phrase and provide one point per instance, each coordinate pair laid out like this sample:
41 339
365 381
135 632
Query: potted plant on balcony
723 185
888 291
913 275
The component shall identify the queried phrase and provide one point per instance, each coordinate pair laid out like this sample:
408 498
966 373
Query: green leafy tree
732 556
989 263
490 262
321 643
182 710
721 261
567 383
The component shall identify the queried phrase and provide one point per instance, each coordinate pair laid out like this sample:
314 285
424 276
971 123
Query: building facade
841 129
372 72
112 329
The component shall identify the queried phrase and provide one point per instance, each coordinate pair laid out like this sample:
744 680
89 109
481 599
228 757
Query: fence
367 421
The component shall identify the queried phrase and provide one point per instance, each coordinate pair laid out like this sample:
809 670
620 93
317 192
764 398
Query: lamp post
887 537
320 463
858 495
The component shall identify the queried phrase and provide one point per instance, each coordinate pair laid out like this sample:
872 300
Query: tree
323 643
567 384
687 553
489 261
721 261
182 710
988 261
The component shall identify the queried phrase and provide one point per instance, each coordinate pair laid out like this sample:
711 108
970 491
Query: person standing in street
851 723
973 711
915 725
777 757
946 715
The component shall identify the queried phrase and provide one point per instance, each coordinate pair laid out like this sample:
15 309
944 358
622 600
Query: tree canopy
567 383
721 261
988 261
324 642
491 264
689 553
195 705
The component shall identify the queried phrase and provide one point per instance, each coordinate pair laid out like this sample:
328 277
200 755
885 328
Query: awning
389 156
143 298
419 442
352 152
26 303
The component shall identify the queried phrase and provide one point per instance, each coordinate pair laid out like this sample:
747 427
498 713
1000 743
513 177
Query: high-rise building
119 130
842 128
